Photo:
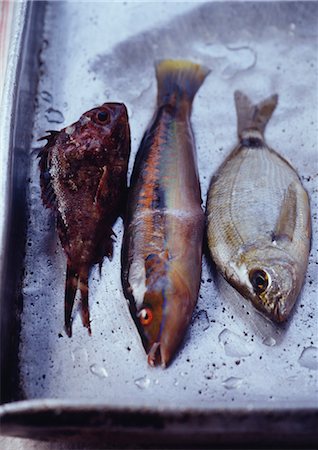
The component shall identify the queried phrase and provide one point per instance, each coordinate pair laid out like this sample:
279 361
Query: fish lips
176 318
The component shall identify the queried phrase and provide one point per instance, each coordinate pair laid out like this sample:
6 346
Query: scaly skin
258 217
83 178
162 247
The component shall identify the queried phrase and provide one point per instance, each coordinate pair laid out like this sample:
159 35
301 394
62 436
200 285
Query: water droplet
46 96
183 374
269 341
79 354
176 382
54 116
202 319
156 381
241 59
234 345
99 371
143 382
232 383
309 358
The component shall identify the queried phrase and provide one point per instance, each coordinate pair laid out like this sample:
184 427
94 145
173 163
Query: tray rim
22 417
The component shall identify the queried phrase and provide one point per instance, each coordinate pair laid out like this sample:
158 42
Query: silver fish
258 217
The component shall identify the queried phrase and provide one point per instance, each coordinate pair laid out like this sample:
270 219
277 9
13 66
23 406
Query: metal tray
237 379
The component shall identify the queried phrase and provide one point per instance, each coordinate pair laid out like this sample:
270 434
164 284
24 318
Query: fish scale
83 179
258 217
161 255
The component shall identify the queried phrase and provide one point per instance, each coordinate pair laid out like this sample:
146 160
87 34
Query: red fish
84 179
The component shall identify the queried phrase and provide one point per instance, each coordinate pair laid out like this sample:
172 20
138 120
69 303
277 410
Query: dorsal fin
49 137
47 191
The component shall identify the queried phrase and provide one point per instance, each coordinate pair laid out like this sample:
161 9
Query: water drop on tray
143 382
54 116
234 345
99 371
232 383
202 319
269 341
79 354
309 358
46 96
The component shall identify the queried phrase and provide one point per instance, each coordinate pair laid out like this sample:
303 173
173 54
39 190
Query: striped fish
162 246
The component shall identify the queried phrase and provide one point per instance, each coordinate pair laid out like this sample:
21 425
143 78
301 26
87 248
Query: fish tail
251 116
76 279
178 81
83 286
71 284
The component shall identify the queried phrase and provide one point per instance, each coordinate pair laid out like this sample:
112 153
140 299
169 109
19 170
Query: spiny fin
102 188
83 287
76 279
288 215
178 80
47 191
106 248
50 137
251 116
71 284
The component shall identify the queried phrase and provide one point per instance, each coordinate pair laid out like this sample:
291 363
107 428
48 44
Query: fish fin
251 116
76 279
102 188
123 204
108 244
286 223
292 216
47 191
50 137
83 286
178 80
71 284
155 266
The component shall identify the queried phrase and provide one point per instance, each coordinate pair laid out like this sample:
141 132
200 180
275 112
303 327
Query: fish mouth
276 313
280 313
158 355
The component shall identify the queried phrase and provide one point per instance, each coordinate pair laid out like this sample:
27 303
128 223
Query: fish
258 217
83 179
163 235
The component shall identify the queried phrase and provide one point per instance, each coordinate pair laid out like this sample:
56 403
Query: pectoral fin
286 223
102 188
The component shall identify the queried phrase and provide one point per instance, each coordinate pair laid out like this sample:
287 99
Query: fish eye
259 280
145 316
102 116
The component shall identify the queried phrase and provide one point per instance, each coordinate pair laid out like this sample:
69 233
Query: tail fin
178 80
251 116
76 279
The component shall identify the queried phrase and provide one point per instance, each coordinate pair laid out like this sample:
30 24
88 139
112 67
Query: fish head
109 119
165 312
101 132
268 277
